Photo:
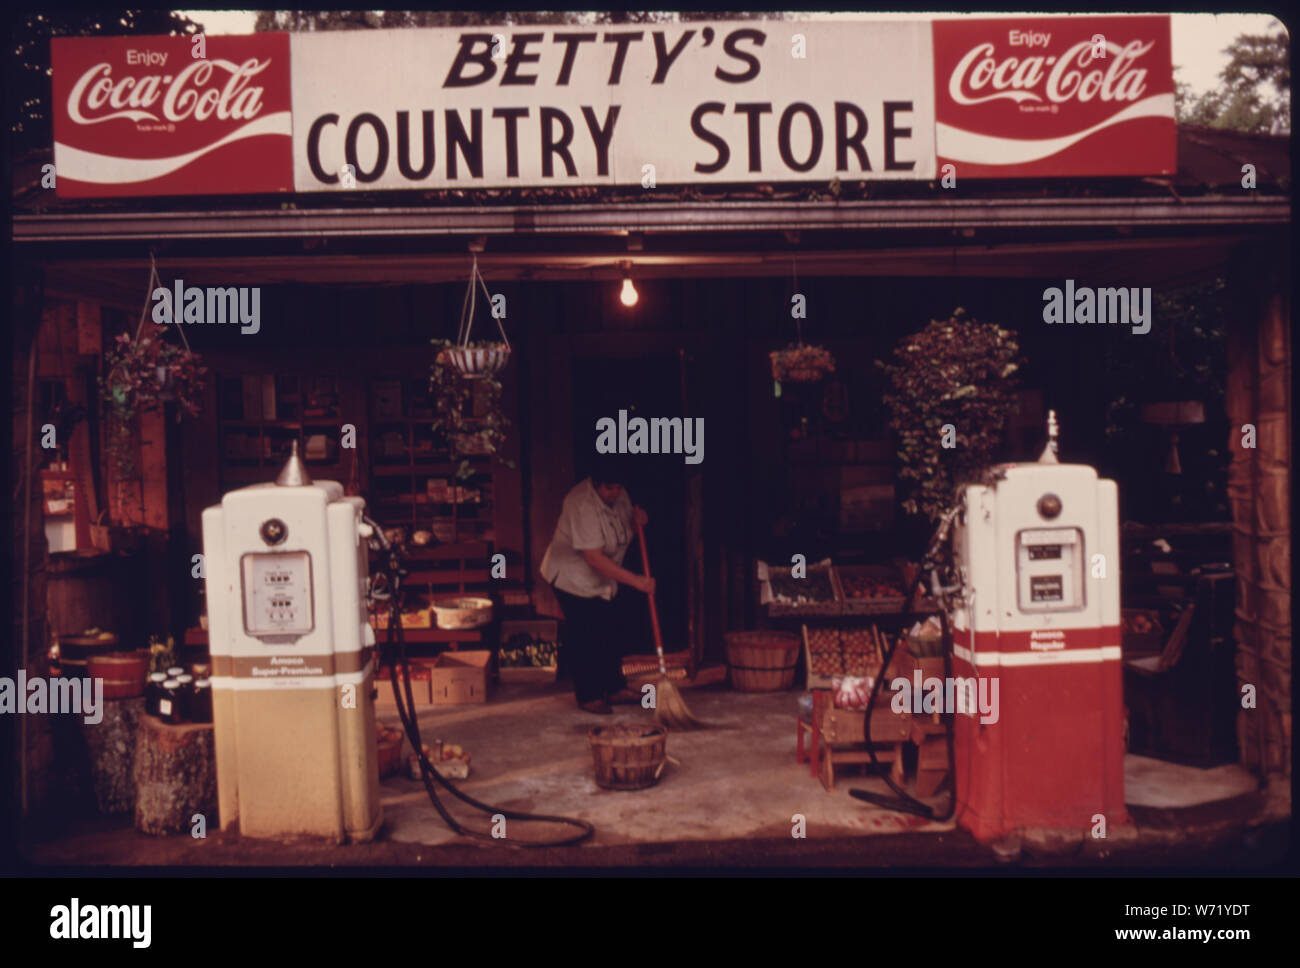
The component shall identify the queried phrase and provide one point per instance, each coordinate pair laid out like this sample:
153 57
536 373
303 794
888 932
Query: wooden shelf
429 636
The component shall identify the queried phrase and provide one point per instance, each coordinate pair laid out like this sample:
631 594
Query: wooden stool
175 776
845 728
931 741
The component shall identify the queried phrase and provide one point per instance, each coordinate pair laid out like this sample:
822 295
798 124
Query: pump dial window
277 593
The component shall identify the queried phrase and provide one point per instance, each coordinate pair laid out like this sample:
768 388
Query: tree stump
175 776
110 744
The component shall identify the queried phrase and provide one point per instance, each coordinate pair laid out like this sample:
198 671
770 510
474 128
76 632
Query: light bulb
629 294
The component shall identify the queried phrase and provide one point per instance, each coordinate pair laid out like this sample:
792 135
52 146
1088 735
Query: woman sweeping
584 565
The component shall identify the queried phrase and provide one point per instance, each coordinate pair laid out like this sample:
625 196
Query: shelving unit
260 414
414 484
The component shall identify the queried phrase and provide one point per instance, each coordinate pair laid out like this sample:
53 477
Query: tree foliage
300 20
956 371
1254 92
28 70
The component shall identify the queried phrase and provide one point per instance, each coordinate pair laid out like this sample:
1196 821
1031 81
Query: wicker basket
762 661
628 757
463 612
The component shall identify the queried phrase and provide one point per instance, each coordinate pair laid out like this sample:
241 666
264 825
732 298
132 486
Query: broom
670 707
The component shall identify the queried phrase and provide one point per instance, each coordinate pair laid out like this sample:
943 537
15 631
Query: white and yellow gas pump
286 574
1038 607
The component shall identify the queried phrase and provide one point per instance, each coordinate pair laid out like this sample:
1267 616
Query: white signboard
596 105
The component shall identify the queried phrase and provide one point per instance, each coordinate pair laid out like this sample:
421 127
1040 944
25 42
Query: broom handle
654 612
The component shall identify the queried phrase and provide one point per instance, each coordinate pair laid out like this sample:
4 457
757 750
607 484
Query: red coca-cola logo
1087 70
166 116
1040 96
97 97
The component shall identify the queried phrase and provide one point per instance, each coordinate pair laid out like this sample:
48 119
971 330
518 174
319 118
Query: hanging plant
454 393
799 363
142 372
955 371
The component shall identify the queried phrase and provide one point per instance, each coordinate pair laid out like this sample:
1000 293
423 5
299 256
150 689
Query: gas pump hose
905 802
396 652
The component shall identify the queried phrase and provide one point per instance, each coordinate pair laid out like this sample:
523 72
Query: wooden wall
1259 490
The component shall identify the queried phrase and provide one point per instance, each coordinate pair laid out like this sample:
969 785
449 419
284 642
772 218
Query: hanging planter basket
799 363
476 362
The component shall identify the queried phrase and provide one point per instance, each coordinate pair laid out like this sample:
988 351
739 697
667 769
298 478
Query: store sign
1054 96
644 105
147 116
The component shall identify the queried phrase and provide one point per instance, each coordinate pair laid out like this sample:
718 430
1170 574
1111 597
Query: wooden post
1258 398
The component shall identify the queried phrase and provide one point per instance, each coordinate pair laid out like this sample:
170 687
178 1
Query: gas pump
1031 600
286 574
1037 558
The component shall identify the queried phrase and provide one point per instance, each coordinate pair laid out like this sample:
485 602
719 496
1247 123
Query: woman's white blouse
587 522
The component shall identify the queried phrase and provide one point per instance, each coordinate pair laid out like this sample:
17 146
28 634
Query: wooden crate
868 606
460 677
845 726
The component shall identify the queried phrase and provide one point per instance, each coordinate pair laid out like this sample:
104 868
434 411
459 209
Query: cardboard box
460 677
420 683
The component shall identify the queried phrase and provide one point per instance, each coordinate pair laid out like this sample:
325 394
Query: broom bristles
671 708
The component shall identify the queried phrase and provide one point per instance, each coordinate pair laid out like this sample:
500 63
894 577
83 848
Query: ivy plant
952 390
453 396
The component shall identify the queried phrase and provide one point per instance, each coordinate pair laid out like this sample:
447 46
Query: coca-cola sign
1054 96
172 116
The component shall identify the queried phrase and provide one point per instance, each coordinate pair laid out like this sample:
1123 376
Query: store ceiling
1146 262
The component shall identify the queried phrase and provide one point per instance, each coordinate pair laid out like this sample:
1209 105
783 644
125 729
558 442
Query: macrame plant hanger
470 303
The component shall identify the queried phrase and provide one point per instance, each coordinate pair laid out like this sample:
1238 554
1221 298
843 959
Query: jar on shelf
201 701
169 706
154 692
186 694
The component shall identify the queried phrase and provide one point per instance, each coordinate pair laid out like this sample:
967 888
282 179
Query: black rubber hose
410 723
905 802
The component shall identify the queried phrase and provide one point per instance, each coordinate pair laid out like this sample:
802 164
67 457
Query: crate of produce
460 677
871 589
815 594
822 656
421 678
528 651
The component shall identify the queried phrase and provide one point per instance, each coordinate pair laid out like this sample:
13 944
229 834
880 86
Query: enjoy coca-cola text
187 94
1070 77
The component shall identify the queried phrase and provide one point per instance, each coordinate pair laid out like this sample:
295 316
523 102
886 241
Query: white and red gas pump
1038 607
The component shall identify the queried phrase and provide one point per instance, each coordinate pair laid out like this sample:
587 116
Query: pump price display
1044 552
277 593
1046 588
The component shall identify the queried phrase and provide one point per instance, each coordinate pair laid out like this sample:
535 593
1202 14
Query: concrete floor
729 804
737 780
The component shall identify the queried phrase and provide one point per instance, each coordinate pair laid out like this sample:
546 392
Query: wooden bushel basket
628 757
762 661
